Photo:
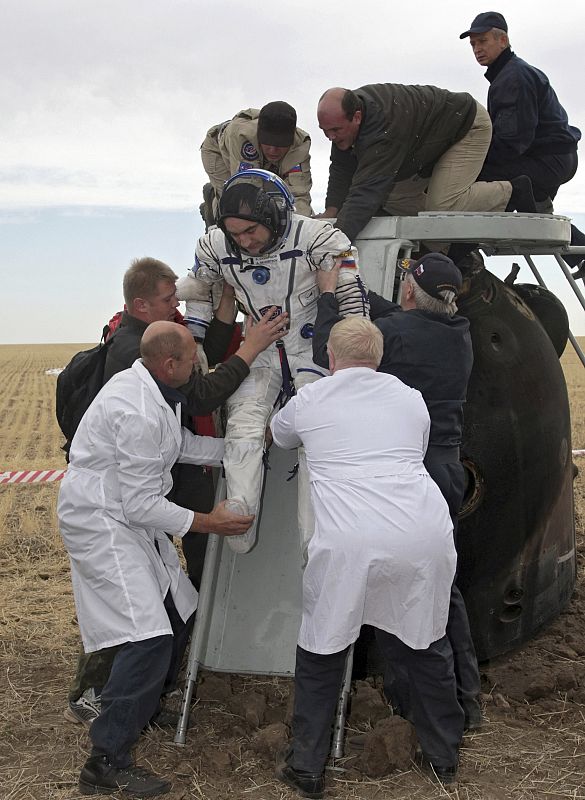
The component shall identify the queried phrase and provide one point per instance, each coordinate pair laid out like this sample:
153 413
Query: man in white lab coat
382 553
128 585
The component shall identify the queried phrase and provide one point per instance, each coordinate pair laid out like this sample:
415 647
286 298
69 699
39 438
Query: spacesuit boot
244 542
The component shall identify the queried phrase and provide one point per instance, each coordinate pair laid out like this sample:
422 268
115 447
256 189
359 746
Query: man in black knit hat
267 139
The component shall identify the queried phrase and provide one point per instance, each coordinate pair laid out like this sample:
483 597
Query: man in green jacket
400 149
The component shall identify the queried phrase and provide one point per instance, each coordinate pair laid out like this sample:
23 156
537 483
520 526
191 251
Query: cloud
106 104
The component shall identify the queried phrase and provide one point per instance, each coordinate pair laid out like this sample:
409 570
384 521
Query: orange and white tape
32 476
52 475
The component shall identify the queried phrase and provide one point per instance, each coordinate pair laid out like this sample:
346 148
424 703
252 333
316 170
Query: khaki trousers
452 185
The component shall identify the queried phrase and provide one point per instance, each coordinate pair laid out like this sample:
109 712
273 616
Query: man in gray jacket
391 142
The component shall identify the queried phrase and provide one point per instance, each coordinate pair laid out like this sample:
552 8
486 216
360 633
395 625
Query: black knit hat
277 124
485 22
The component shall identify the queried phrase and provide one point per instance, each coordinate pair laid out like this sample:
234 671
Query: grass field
532 746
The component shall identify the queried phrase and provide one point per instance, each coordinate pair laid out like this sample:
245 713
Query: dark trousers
317 687
449 476
140 673
547 171
193 488
427 690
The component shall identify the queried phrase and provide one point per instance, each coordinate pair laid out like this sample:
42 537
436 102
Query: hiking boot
307 784
244 542
98 776
85 709
522 197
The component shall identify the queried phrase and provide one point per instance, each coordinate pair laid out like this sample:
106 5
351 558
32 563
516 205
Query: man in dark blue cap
427 345
531 132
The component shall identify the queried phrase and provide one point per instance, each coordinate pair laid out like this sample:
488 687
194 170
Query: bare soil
531 746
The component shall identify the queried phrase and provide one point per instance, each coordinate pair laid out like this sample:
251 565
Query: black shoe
580 272
522 197
98 776
445 774
307 784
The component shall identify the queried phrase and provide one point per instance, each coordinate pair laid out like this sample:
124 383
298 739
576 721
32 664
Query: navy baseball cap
485 22
434 272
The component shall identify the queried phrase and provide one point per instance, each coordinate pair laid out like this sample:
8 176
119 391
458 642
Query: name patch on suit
264 310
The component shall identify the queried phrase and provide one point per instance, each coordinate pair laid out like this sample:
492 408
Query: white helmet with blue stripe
260 196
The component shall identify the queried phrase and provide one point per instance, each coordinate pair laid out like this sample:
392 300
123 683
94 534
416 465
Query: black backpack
78 385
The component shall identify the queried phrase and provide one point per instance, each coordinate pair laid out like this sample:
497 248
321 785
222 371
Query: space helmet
259 196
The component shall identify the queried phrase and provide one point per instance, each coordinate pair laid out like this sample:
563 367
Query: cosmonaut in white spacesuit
270 256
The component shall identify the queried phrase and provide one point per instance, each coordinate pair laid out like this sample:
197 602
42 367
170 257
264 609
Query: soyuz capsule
516 537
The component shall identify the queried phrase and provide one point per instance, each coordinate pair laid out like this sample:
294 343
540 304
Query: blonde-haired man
382 553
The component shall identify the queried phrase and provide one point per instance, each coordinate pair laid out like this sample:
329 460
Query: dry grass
527 750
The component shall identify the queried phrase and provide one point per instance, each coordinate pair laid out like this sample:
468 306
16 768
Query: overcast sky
104 106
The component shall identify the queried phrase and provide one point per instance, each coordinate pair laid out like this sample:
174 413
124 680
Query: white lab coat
382 553
112 510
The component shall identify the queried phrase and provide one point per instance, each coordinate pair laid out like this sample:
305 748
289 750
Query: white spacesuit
273 262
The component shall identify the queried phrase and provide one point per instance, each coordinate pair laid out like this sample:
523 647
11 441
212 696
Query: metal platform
386 239
505 233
